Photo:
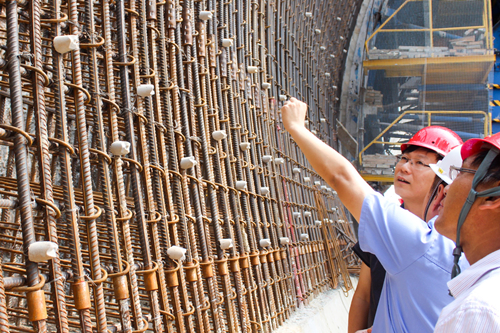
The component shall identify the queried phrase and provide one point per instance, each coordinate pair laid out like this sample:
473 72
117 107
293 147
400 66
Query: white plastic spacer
296 170
279 160
307 214
318 223
219 135
304 237
252 69
264 190
176 253
308 14
145 90
241 185
266 85
245 146
227 42
296 215
307 179
267 158
283 98
63 44
188 162
120 148
317 31
322 48
323 187
206 15
327 74
42 251
284 240
265 242
226 243
317 182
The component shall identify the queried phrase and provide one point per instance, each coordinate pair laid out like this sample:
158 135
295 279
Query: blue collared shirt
418 261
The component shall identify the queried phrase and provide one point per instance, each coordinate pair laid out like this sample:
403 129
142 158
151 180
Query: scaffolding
426 64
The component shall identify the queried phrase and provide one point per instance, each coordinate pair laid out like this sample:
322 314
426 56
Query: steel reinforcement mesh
146 181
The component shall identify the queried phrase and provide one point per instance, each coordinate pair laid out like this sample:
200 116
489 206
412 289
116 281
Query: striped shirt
476 307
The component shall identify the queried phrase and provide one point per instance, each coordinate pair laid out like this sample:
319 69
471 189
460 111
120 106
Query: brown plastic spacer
150 281
234 264
207 270
244 262
277 255
171 276
191 271
172 279
254 258
37 309
270 257
283 254
81 295
222 267
120 286
263 257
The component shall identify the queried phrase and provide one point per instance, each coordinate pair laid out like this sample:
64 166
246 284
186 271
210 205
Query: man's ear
491 203
436 201
439 195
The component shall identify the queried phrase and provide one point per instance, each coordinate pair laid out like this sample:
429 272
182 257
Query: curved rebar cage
143 139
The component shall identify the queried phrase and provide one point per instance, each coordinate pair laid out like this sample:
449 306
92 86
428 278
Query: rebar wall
146 181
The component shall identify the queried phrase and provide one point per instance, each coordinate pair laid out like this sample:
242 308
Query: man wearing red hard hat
414 182
417 258
475 228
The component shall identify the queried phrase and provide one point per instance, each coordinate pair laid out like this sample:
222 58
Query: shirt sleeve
469 319
396 236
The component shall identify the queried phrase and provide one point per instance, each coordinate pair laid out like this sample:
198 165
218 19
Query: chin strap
473 195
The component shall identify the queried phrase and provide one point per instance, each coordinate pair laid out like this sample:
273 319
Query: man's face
455 197
413 180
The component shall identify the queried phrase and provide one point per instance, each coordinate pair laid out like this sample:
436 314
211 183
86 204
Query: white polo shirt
476 307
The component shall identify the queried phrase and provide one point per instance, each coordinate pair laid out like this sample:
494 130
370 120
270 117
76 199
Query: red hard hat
436 138
473 146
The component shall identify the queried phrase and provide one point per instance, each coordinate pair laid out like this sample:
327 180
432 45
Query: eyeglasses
454 171
415 164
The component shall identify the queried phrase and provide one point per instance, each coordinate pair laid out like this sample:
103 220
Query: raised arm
338 172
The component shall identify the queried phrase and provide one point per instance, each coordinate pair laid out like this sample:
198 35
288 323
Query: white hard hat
442 168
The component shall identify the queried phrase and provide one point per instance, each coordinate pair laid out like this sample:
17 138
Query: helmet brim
440 173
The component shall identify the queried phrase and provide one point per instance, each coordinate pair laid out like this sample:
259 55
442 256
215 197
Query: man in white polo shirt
476 190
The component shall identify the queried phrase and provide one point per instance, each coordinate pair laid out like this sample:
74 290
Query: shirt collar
472 274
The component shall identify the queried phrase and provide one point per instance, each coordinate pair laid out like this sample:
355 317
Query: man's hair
412 148
493 173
